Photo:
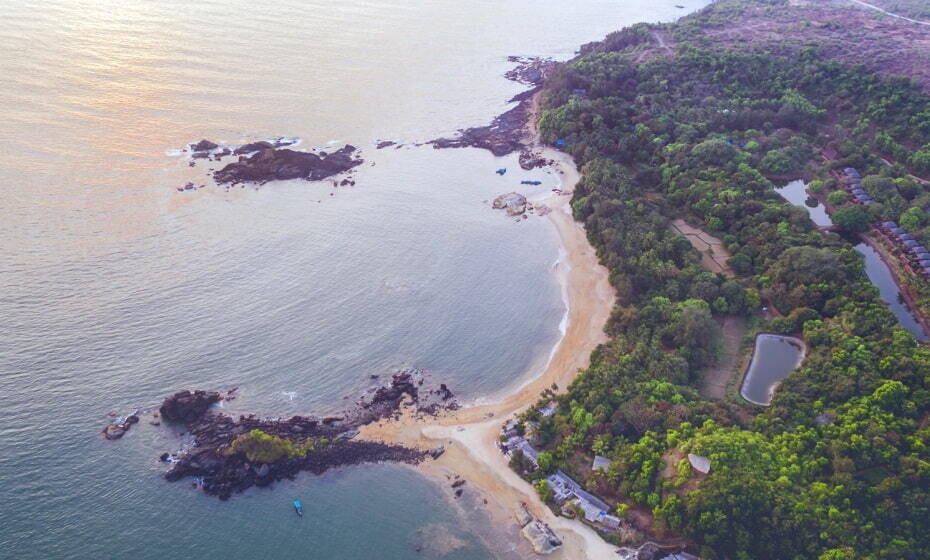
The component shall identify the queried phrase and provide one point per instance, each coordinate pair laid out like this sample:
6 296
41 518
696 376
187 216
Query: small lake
795 192
877 271
773 359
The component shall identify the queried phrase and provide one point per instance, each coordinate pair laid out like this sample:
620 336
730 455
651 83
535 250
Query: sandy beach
470 434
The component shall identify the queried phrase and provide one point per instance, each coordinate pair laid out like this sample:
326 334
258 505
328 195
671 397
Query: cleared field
713 254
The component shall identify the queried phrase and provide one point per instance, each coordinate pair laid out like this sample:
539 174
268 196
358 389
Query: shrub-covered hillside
839 466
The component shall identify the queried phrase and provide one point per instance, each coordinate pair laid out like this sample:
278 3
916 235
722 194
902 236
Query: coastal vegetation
838 467
260 447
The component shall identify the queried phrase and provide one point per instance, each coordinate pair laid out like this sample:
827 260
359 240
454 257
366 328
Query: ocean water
116 289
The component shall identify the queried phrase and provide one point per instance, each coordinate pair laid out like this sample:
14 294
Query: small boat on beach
299 508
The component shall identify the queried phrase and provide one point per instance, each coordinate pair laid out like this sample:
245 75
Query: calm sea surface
116 289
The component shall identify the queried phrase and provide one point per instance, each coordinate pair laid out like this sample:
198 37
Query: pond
877 271
880 276
773 359
795 192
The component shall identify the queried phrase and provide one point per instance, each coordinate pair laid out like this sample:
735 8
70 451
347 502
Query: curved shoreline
470 434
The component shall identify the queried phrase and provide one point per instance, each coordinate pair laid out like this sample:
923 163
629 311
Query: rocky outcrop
514 203
253 147
188 407
506 133
117 430
543 539
531 160
224 473
443 392
204 146
522 515
272 164
531 71
503 136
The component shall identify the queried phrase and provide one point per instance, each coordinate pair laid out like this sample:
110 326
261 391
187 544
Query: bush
544 490
544 460
260 447
912 218
852 218
800 316
837 198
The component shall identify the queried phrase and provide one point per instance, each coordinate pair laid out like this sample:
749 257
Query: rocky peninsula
278 164
507 133
231 455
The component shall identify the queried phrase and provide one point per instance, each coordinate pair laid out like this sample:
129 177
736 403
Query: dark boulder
187 407
444 392
253 147
204 146
114 431
271 164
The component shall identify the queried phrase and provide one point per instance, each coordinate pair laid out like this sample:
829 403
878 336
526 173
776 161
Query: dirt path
714 380
887 13
660 38
713 254
890 163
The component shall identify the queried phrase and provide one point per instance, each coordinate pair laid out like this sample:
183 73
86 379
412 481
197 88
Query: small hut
886 226
700 463
600 463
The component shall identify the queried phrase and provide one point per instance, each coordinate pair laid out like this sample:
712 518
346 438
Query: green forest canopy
838 466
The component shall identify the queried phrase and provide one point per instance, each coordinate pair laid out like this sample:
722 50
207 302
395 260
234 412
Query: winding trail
887 13
470 434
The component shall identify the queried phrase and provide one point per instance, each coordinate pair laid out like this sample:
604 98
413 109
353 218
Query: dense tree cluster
839 465
261 447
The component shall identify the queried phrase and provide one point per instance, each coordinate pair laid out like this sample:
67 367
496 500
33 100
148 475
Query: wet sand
470 434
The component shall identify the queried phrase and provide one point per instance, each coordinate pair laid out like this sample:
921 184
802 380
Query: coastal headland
231 455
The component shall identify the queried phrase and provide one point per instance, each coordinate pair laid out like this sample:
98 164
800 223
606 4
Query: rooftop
700 463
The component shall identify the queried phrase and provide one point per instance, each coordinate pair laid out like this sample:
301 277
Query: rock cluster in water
530 70
514 203
118 429
224 473
270 160
503 136
272 164
186 406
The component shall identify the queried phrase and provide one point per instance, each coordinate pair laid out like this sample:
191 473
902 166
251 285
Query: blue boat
299 508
